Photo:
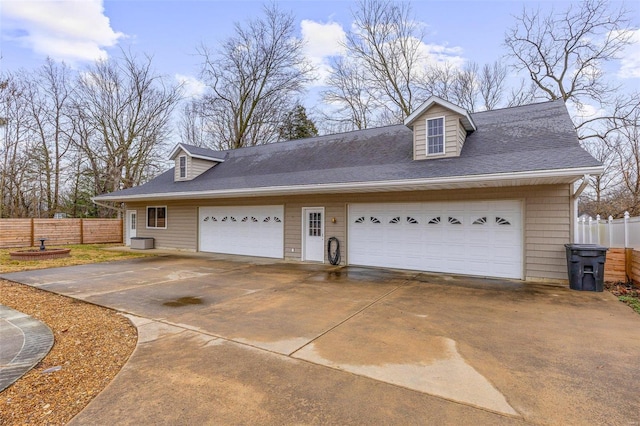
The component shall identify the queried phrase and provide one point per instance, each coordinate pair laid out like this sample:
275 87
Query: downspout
574 198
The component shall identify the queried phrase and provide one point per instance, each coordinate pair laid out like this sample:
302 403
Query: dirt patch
91 346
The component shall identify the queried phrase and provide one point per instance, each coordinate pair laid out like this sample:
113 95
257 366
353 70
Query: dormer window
190 161
183 166
435 136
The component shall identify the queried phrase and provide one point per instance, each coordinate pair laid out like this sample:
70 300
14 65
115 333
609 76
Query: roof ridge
518 106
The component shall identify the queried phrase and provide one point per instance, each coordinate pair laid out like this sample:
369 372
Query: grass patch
80 254
634 302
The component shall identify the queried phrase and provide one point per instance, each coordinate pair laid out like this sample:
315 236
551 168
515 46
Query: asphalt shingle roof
527 138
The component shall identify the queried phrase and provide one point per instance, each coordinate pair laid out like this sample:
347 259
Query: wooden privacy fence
622 265
27 232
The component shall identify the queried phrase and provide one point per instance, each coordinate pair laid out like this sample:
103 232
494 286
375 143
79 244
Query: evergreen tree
297 125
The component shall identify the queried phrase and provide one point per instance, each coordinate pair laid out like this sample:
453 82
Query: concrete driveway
224 340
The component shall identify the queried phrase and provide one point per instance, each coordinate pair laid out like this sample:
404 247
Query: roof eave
204 157
539 177
467 121
180 146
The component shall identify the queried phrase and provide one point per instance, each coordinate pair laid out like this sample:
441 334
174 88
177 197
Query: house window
183 166
157 217
435 136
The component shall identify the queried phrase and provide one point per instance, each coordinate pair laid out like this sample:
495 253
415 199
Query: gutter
98 203
376 186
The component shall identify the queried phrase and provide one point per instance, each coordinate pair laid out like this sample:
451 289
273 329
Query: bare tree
50 92
122 113
16 192
564 52
626 144
600 185
492 84
523 94
471 87
439 80
193 124
385 43
254 80
385 72
465 87
349 94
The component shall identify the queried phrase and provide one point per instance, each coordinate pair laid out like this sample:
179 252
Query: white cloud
584 112
192 87
630 62
439 54
69 30
322 41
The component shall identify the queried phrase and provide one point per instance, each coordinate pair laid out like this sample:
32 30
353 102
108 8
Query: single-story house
487 194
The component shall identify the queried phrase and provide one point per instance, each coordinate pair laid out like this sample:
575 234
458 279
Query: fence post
582 230
33 231
626 229
610 231
81 231
590 230
598 229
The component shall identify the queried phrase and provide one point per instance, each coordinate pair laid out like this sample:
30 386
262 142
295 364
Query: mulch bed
92 344
623 289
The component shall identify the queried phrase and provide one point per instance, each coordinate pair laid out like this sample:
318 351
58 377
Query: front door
132 218
313 234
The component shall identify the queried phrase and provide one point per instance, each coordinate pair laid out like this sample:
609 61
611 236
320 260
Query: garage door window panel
157 217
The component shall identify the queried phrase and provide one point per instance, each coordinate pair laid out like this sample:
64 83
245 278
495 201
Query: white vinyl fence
616 233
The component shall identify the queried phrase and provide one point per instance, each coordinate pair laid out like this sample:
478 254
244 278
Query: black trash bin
585 265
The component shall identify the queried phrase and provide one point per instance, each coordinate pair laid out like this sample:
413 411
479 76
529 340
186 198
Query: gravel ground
91 346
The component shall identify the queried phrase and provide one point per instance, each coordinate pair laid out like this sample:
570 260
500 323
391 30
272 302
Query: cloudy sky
81 31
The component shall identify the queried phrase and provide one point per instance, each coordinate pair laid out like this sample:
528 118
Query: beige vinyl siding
182 222
198 166
547 230
462 136
293 231
452 125
546 222
338 229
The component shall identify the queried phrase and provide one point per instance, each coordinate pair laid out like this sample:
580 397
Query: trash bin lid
586 247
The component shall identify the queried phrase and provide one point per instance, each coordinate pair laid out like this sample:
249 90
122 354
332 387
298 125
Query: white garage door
245 230
475 238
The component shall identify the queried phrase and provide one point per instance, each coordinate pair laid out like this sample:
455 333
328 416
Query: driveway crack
402 284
